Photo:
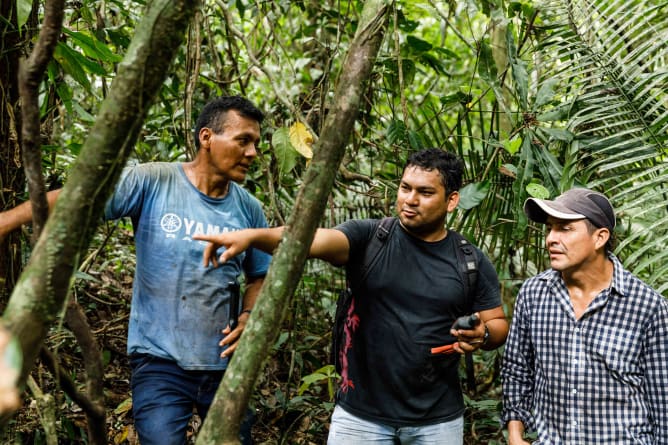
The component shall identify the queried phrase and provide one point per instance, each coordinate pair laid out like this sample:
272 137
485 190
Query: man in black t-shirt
394 389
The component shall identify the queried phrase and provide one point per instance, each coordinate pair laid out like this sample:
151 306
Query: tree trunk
12 179
229 405
42 288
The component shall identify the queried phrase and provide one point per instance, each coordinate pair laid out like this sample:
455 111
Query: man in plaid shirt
586 360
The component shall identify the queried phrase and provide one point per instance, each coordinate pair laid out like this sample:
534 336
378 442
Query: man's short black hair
213 114
449 165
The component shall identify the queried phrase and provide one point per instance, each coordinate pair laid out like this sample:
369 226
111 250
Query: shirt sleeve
488 289
257 262
517 372
127 197
654 360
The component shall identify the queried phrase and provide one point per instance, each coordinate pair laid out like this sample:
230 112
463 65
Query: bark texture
11 174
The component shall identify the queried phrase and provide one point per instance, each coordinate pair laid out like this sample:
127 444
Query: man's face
233 150
571 245
422 204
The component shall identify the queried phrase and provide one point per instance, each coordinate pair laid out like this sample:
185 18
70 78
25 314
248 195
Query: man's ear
602 236
452 200
204 135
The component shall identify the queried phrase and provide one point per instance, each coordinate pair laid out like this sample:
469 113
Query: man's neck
586 282
199 176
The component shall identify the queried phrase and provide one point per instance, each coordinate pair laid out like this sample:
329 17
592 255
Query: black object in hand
466 322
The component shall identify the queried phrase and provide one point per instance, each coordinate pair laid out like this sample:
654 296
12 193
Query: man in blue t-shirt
179 337
396 386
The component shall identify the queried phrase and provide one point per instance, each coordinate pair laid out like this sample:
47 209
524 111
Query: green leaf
557 133
23 9
417 45
555 114
92 47
513 145
415 140
537 191
486 65
521 78
545 94
447 53
82 113
396 132
285 153
118 37
68 60
473 194
406 24
79 275
433 62
458 97
391 72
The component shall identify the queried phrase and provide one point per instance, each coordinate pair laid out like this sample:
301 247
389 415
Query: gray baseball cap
577 203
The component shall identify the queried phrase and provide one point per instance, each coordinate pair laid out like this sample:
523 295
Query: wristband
245 311
485 337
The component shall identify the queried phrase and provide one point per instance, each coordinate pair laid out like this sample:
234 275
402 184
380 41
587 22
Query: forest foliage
535 96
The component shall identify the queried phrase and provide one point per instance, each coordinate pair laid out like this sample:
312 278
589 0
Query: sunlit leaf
513 145
537 191
124 406
301 139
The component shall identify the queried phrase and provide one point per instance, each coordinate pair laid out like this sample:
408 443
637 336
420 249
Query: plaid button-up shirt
600 379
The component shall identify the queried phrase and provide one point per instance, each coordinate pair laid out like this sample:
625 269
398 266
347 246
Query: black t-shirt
411 298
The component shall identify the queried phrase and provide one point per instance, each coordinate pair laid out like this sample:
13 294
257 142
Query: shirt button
575 390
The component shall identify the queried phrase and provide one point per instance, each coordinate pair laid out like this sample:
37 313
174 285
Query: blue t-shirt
179 307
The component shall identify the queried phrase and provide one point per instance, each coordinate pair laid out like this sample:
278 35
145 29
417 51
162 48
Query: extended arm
330 245
12 219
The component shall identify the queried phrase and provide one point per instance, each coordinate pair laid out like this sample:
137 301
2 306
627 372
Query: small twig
46 409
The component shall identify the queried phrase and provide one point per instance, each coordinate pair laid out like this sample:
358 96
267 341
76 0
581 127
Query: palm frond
612 69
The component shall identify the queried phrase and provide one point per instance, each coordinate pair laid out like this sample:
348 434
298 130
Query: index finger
209 254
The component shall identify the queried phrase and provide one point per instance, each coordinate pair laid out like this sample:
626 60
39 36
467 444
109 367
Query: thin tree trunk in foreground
231 401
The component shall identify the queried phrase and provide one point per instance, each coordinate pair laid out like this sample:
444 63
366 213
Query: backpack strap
468 270
383 232
467 261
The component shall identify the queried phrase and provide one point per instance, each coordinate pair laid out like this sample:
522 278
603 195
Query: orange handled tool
446 349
